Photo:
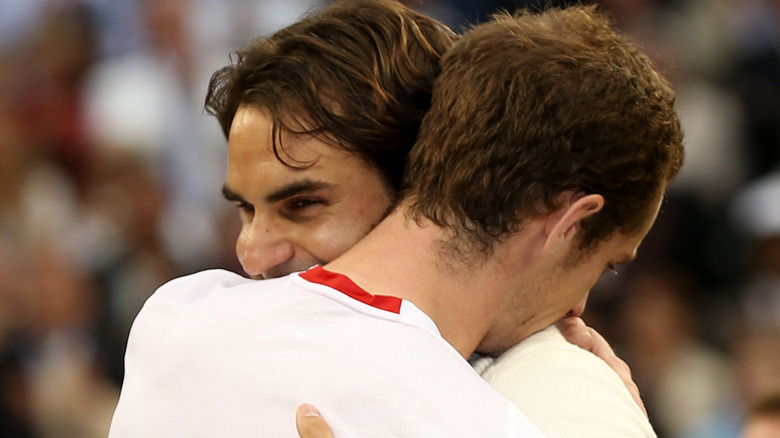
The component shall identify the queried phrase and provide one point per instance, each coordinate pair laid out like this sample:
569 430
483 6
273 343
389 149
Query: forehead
251 135
253 164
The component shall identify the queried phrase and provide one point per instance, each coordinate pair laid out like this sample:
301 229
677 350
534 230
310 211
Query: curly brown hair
358 74
530 105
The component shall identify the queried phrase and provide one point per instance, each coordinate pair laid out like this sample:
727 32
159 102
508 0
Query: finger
578 333
575 331
601 347
310 423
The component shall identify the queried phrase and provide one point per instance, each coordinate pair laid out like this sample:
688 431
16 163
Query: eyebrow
230 195
287 191
296 188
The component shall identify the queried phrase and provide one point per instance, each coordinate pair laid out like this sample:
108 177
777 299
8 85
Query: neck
400 258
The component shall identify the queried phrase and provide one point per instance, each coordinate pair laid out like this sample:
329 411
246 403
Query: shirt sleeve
566 391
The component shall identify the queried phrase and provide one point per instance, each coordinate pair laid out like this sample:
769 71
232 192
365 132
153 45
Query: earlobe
564 224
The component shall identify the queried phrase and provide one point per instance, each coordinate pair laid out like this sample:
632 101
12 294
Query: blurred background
110 177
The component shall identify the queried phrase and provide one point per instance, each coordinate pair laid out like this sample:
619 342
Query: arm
565 390
579 334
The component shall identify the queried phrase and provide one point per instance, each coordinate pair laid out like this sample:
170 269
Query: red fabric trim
346 286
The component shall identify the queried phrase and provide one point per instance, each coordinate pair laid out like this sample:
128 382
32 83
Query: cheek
570 293
583 288
346 223
340 232
329 242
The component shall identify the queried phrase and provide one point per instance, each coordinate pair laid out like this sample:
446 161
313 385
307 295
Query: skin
310 423
294 218
765 426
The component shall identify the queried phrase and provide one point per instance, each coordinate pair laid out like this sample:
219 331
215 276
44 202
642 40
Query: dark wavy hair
358 74
530 105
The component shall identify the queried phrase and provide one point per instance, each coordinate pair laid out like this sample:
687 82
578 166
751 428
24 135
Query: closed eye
303 209
298 204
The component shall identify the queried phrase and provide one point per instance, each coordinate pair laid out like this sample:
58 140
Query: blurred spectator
756 211
15 398
147 103
18 20
763 419
682 379
756 78
756 356
71 396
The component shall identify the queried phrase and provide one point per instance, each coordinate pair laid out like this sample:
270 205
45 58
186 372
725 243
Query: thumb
310 423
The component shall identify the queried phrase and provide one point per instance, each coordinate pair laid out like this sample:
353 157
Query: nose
261 248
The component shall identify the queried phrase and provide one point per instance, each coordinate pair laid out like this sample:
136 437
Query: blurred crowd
110 178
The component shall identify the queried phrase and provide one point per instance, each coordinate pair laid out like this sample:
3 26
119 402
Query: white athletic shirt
565 390
217 355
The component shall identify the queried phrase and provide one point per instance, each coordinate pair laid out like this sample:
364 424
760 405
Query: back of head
531 105
358 73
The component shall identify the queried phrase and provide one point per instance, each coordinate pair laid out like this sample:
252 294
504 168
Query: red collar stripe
346 286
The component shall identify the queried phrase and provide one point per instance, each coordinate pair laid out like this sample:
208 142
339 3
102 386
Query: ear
563 225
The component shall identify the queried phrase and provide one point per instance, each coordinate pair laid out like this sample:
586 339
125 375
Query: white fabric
217 355
565 390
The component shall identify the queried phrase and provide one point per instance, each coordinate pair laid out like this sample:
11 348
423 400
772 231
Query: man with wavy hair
541 163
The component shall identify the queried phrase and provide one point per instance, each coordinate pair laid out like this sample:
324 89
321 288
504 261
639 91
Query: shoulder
182 299
545 346
186 287
211 285
566 390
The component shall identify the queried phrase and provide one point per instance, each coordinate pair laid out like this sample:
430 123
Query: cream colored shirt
564 390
